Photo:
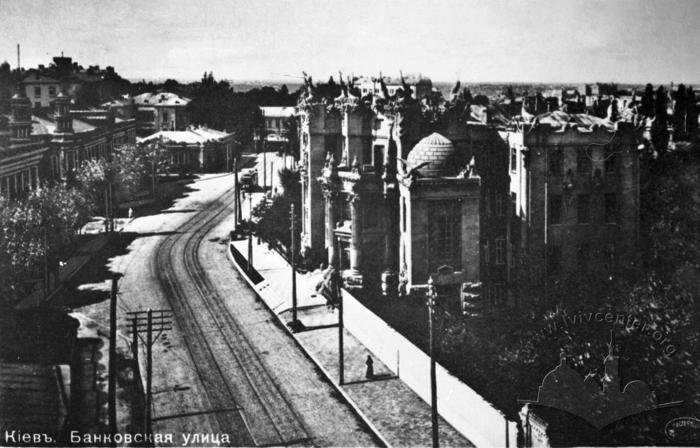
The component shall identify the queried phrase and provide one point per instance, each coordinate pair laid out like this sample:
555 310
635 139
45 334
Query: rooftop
277 111
34 77
191 135
559 119
433 156
43 126
160 99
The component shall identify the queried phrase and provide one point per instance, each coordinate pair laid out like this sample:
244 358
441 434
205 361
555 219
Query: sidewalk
398 414
72 265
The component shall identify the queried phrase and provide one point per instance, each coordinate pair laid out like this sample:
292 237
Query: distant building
161 111
196 148
575 192
35 148
420 85
40 89
475 204
276 127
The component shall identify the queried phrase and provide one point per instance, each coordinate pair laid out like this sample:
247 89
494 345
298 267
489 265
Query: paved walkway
399 414
72 265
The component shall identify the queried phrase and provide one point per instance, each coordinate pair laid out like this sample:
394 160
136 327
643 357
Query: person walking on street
369 374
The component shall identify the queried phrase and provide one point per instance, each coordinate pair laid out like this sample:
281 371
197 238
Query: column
390 278
330 226
353 276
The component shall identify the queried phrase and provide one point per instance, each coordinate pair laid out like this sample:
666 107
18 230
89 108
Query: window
514 203
487 252
500 205
445 238
610 207
378 158
610 161
403 215
556 163
555 209
500 294
37 92
583 162
553 259
487 202
583 253
610 256
513 159
52 91
584 208
500 251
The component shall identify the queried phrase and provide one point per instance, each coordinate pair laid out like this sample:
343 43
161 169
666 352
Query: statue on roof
454 94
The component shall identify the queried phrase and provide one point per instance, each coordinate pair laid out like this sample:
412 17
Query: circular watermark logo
683 430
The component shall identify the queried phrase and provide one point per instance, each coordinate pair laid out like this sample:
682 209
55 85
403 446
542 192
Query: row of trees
662 294
37 230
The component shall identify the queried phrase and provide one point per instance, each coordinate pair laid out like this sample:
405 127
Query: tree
679 113
292 134
691 113
273 219
6 85
648 101
126 172
659 127
46 222
505 356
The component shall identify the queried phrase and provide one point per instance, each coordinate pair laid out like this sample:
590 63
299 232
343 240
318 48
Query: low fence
458 404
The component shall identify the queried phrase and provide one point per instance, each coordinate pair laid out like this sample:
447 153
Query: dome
437 155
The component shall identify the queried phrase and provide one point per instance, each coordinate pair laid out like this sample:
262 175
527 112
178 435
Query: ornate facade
467 204
35 149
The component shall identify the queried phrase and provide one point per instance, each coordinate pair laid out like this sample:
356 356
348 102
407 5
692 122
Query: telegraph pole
294 271
162 321
236 197
432 296
295 325
112 374
341 351
250 231
46 262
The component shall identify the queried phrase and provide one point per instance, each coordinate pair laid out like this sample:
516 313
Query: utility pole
237 196
295 325
341 350
262 147
111 208
294 271
112 374
149 368
153 167
46 262
250 231
431 297
155 320
106 210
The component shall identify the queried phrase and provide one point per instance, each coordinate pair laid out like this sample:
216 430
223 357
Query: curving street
226 367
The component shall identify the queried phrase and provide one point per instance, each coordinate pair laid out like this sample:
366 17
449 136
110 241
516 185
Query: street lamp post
250 231
295 325
236 197
431 297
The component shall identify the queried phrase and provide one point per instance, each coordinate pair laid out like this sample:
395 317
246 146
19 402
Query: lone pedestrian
131 213
370 367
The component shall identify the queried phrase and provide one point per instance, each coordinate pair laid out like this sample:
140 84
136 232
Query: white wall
458 404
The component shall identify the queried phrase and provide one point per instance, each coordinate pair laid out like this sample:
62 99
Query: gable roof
191 136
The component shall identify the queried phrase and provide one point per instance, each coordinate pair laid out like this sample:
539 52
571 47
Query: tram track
230 369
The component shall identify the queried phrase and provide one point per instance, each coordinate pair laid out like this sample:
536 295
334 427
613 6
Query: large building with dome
391 202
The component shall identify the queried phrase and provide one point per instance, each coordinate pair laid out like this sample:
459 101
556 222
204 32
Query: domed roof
437 155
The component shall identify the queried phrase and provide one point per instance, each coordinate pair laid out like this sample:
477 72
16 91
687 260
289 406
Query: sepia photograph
349 223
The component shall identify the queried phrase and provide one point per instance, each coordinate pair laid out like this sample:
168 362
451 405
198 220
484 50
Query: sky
474 40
